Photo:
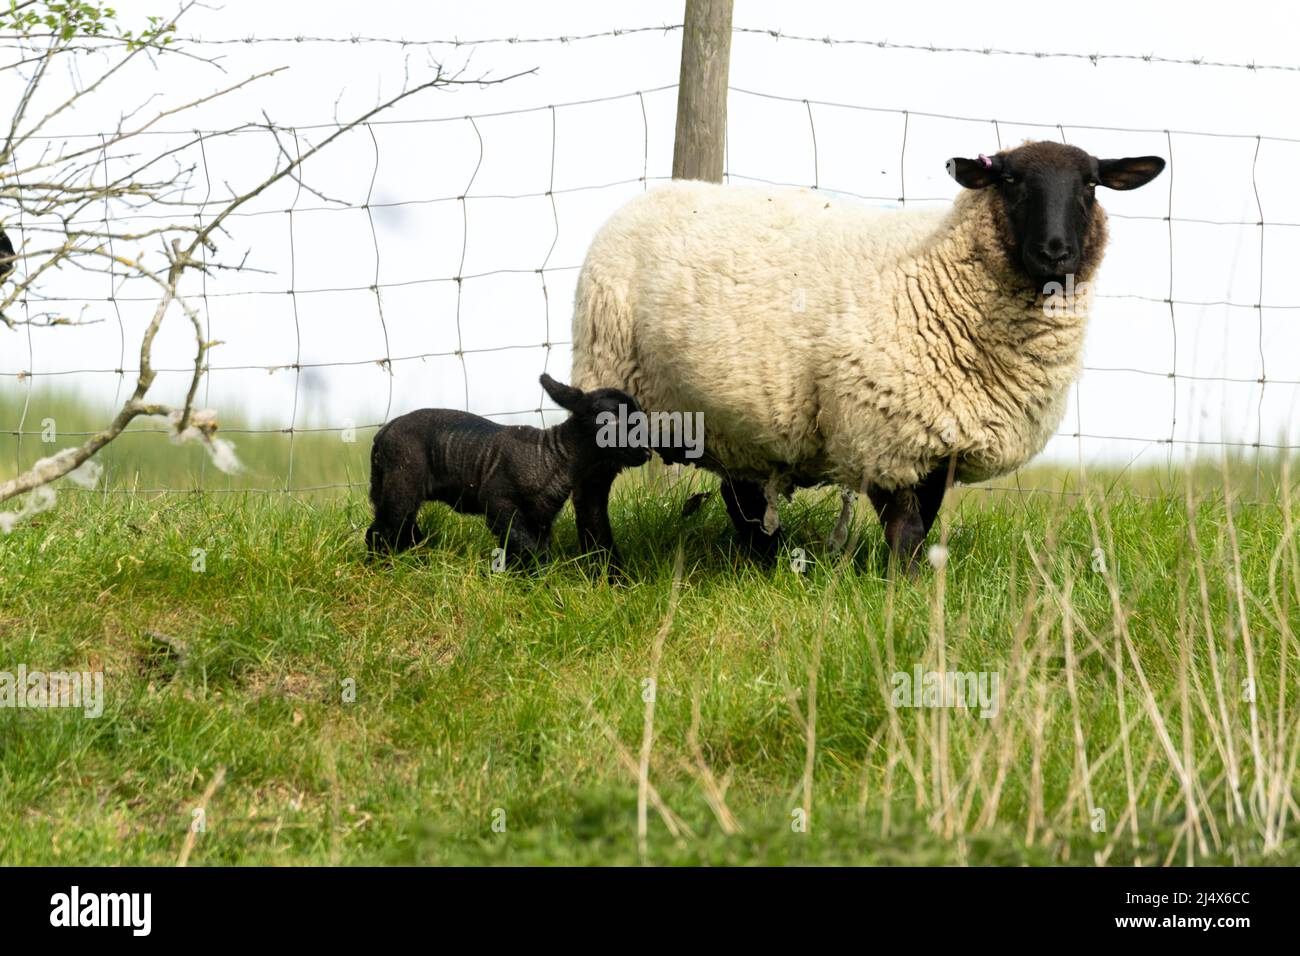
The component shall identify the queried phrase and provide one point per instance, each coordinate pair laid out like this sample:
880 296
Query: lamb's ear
566 396
975 173
1129 173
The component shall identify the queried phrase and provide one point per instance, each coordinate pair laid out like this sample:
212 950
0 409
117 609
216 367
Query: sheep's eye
1092 184
1008 179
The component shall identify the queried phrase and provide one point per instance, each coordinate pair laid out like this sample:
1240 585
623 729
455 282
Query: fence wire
1095 58
552 332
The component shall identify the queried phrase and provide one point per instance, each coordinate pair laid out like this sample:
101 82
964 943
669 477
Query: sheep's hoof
910 568
762 548
693 503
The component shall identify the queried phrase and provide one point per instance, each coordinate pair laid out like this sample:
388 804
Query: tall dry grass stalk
192 833
648 723
715 791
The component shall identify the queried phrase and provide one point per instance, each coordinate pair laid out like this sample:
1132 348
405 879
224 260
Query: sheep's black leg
930 495
907 514
746 503
591 512
900 516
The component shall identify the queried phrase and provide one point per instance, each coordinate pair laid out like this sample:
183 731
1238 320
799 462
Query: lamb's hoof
609 566
381 554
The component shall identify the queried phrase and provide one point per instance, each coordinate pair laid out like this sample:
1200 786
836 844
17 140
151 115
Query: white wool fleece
825 340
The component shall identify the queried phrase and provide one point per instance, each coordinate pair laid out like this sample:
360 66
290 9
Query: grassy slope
479 691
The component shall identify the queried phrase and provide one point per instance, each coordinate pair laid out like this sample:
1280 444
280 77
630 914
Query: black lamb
516 475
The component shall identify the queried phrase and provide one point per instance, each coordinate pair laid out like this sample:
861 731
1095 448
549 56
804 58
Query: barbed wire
455 42
1094 58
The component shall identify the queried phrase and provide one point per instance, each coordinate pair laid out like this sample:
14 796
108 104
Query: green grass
479 692
484 697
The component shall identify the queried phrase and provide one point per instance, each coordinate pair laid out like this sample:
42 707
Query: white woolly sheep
827 341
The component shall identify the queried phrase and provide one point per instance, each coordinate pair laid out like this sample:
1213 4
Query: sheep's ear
975 173
566 396
1129 173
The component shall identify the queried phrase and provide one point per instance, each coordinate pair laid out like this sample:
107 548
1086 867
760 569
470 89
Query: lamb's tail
603 342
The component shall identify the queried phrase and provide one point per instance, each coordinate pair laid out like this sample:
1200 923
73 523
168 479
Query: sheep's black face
1048 200
1048 196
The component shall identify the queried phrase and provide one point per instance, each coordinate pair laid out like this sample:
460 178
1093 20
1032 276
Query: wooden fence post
701 142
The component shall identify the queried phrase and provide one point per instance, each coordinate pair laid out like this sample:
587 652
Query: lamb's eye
1009 179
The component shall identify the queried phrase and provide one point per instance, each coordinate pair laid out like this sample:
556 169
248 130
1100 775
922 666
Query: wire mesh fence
375 284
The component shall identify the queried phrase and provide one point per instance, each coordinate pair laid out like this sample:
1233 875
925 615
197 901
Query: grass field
322 709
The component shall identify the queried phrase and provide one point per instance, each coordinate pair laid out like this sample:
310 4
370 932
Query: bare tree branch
56 186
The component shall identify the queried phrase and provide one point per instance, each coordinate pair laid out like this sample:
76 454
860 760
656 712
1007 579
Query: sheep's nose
1057 250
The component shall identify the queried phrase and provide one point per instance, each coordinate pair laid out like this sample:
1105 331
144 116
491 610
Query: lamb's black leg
523 544
907 514
746 503
379 538
397 501
591 513
411 535
394 534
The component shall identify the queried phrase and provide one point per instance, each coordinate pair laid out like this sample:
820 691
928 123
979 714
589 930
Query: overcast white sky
427 160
